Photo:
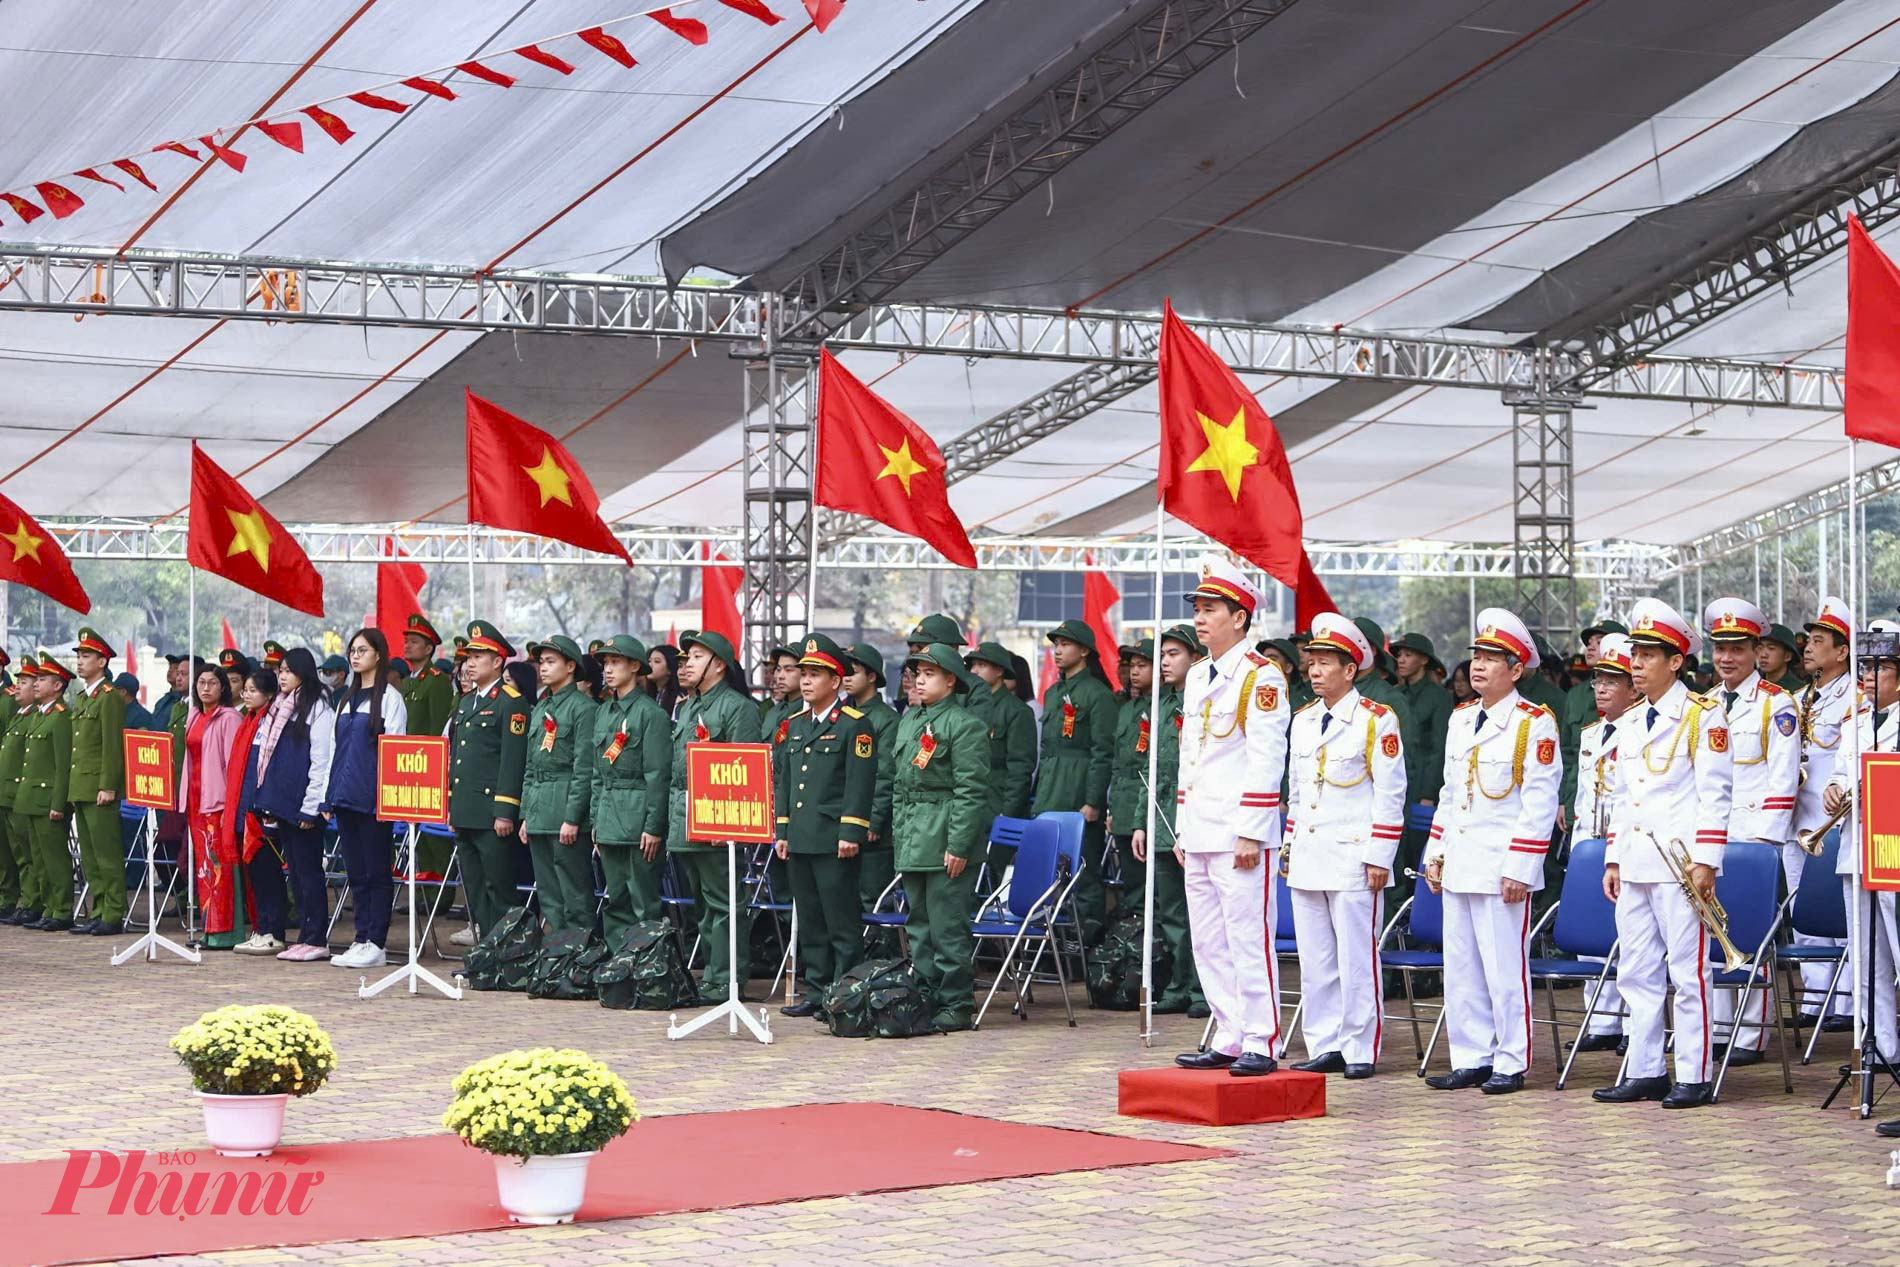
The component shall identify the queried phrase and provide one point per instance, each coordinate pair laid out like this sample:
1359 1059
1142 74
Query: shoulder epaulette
1701 701
1771 688
854 714
1592 726
59 708
1302 708
1467 704
1374 707
1254 657
508 689
1535 710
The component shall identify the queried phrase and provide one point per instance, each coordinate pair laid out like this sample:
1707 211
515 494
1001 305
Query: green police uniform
876 868
488 753
46 757
632 759
1012 726
98 766
556 788
824 776
722 714
1077 756
19 889
939 808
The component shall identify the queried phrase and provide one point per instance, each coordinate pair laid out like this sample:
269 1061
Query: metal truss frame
1764 528
1543 517
778 546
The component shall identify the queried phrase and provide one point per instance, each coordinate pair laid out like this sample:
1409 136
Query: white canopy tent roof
1432 167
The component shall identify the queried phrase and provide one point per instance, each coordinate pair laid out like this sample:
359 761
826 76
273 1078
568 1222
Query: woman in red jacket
210 729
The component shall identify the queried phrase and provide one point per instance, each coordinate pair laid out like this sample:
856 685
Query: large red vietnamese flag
1098 595
30 556
1224 470
873 461
233 536
522 479
1873 340
398 594
719 598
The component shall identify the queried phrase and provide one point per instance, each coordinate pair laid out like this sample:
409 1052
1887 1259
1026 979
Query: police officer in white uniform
1825 707
1765 746
1346 814
1615 694
1488 841
1674 774
1233 760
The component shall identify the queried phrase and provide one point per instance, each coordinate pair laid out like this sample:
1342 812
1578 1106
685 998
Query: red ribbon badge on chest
618 746
784 729
700 733
547 732
926 745
1178 717
1068 719
1141 737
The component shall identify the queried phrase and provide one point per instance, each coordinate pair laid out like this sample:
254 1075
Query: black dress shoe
113 929
1687 1095
1199 1011
1252 1064
1356 1072
1631 1090
1204 1060
23 916
1598 1042
804 1007
1741 1059
53 925
83 928
1502 1083
1837 1024
1889 1130
6 911
1459 1079
1325 1062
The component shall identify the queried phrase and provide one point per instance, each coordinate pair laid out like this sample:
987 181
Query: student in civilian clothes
366 708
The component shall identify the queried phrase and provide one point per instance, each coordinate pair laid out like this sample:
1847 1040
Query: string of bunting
286 127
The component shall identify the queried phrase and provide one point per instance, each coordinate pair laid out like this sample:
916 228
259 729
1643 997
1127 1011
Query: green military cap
49 665
784 649
863 653
444 664
686 637
483 636
334 664
419 625
560 644
399 664
1143 650
940 655
821 652
273 654
937 628
1375 636
594 646
991 653
1608 627
1420 643
1301 638
231 658
89 640
1185 635
720 648
1783 635
627 647
1075 631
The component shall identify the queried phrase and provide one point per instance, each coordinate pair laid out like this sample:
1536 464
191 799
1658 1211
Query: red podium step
1206 1097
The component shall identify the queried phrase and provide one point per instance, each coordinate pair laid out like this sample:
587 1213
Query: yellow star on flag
551 478
249 536
900 463
25 544
1228 450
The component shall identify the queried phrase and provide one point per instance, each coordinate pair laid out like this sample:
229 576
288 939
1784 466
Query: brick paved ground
1396 1174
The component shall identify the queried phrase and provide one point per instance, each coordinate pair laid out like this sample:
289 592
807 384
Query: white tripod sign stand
412 971
152 941
732 1010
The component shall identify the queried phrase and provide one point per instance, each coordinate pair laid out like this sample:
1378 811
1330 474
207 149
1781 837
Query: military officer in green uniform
1077 756
933 629
1376 684
824 777
488 753
21 894
1418 667
864 683
273 655
939 820
98 775
1778 659
1012 741
429 696
632 757
46 763
782 701
558 786
715 709
1181 992
1128 781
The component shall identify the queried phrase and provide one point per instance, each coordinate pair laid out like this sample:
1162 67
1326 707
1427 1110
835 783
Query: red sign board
412 779
729 792
148 770
1880 820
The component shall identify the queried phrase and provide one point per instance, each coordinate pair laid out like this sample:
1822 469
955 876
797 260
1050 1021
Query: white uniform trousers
1487 982
1886 943
1663 942
1229 923
1338 936
1607 1018
1814 976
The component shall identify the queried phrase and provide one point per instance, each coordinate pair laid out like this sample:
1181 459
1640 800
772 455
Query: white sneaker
348 958
259 944
373 956
464 937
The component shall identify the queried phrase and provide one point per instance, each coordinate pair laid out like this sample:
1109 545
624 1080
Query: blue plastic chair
1749 889
1817 908
1582 923
1074 827
1040 887
1423 918
1006 832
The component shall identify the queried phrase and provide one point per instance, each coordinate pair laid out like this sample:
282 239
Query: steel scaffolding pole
777 544
1543 519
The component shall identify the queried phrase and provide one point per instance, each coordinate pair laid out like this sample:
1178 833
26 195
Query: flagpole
1154 770
1857 929
472 615
191 691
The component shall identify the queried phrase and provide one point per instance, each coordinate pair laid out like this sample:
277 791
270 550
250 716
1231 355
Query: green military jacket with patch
46 762
1431 713
1078 744
824 779
721 715
883 719
488 753
12 746
98 758
630 784
939 793
1128 785
429 695
558 782
1012 748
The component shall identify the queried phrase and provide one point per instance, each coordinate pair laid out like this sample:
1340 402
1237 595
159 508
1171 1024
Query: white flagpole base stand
732 1011
152 941
412 971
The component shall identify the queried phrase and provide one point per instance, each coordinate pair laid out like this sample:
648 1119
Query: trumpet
1707 909
1814 839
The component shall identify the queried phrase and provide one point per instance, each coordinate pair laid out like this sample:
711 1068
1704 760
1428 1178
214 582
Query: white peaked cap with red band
1616 653
1221 579
1334 631
1500 630
1656 623
1835 616
1732 619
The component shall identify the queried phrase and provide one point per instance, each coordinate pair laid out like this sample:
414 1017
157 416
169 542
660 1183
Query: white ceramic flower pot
542 1190
243 1125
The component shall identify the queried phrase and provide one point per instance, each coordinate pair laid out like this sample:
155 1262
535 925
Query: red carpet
434 1185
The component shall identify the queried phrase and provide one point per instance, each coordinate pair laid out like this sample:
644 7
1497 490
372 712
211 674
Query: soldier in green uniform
488 753
1283 653
716 709
1128 781
782 701
429 696
22 892
1077 755
1778 659
1376 684
273 655
1012 741
632 760
98 775
46 762
864 683
236 668
824 778
1180 650
939 628
939 819
557 788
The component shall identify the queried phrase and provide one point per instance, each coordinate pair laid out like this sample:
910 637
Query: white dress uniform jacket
1823 712
1348 793
1764 737
1500 797
1595 801
1233 752
1677 779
